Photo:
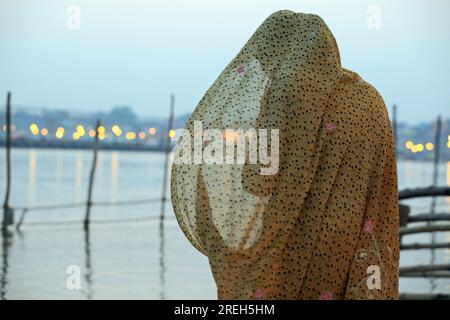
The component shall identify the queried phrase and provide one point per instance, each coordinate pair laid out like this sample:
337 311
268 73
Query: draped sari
324 223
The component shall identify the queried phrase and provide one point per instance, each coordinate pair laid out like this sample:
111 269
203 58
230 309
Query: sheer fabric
325 224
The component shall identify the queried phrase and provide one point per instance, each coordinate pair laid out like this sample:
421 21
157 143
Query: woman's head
289 34
282 79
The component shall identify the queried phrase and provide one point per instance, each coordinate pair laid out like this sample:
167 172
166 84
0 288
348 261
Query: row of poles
433 270
8 211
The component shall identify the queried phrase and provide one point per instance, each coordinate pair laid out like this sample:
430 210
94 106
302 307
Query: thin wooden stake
424 296
425 268
437 143
426 274
437 148
167 154
426 217
88 264
8 162
424 229
91 177
421 246
423 192
394 126
163 197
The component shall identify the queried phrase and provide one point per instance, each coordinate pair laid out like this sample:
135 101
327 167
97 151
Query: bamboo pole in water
163 197
422 229
437 144
394 126
427 274
167 154
423 192
424 296
91 177
437 148
425 268
424 217
8 162
88 264
419 246
5 242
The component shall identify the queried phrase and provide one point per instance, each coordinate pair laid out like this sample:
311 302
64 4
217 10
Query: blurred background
140 67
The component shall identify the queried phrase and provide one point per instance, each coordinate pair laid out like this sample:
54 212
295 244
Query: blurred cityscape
122 129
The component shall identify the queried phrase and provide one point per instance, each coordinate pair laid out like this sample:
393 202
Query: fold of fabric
324 224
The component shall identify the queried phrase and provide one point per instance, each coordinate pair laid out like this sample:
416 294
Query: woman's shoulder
363 98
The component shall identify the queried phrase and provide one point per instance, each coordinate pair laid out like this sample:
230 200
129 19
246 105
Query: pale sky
136 52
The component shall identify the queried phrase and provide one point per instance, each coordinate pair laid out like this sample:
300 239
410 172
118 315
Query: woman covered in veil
319 219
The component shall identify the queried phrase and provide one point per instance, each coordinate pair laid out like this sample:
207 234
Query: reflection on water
78 175
6 240
59 167
114 174
99 171
447 235
162 266
31 176
141 260
88 273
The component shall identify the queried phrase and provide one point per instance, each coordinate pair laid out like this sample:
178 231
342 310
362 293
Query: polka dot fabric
325 226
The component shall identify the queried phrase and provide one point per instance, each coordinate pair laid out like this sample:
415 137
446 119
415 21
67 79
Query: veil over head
260 222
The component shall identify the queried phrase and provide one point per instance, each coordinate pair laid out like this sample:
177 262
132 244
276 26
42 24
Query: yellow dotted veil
286 77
